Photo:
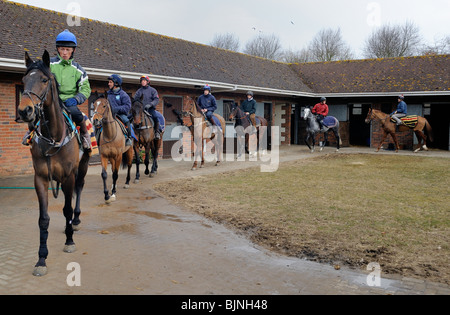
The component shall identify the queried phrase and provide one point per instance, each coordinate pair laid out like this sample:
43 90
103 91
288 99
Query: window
172 106
227 104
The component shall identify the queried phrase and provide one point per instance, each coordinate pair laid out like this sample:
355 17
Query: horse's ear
28 60
46 59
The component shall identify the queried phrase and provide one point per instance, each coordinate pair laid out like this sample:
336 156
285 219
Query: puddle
156 215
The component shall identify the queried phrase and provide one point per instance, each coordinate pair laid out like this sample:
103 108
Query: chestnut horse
389 129
201 131
112 147
145 133
242 120
55 152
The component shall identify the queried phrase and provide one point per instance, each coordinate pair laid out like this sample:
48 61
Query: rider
150 100
73 84
402 110
321 110
249 107
120 103
207 103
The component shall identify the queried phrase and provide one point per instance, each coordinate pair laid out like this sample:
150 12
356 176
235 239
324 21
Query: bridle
104 119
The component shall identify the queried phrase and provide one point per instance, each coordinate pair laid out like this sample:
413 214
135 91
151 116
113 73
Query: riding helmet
66 39
145 77
117 79
207 87
250 93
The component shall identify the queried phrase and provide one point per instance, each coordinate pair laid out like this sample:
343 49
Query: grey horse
312 129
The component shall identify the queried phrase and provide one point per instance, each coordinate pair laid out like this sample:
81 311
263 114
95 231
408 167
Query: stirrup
157 135
128 142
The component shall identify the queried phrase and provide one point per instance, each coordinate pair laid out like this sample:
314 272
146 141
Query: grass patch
352 209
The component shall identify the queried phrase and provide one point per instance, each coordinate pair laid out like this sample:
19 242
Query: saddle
409 121
258 121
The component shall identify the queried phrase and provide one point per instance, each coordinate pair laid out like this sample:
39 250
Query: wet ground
142 244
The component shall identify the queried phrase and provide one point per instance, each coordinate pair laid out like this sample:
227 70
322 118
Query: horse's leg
79 185
41 186
148 150
115 169
385 134
421 137
202 164
68 188
105 177
218 143
155 155
136 154
394 137
129 160
308 136
338 139
324 143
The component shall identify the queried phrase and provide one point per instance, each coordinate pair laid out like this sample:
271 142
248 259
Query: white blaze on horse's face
306 113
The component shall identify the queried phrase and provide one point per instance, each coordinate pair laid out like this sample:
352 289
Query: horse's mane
39 65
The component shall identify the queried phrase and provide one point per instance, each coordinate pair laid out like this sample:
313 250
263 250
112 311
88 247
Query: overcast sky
296 22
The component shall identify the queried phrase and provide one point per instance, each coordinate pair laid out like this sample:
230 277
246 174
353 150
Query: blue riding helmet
66 39
117 79
207 87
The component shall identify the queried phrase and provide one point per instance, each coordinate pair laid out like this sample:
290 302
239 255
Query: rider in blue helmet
120 103
73 83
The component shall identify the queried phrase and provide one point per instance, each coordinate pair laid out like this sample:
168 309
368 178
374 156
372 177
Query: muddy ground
144 244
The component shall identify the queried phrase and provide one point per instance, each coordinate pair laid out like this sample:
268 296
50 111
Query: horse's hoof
76 228
40 271
113 198
152 175
425 148
337 150
126 186
70 248
218 164
136 181
193 169
147 172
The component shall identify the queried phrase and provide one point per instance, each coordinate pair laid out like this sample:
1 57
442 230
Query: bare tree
439 47
393 41
300 56
328 45
265 46
226 41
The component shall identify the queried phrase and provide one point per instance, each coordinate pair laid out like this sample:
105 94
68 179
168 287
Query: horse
145 133
242 120
201 131
389 129
312 129
112 147
55 152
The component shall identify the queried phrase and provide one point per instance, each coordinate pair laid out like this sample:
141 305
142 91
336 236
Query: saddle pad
124 129
330 121
409 121
90 128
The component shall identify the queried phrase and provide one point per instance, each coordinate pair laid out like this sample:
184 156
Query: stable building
179 69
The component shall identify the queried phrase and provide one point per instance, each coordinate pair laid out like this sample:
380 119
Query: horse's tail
125 160
429 130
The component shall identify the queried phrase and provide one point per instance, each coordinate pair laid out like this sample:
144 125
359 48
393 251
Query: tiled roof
113 47
108 46
425 73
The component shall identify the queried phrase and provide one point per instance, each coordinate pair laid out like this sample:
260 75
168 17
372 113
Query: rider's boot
157 131
85 136
128 142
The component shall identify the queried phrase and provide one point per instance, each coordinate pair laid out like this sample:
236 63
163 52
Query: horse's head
369 116
234 111
190 107
101 109
137 109
307 113
37 85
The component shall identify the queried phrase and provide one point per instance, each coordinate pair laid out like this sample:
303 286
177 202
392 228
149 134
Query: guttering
18 66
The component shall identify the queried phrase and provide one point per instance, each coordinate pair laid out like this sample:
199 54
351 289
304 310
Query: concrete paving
142 244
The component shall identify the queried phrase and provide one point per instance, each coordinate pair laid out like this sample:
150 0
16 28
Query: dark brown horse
245 133
111 146
389 129
55 152
145 133
201 132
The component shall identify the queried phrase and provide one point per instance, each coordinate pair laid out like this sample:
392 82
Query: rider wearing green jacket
73 84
